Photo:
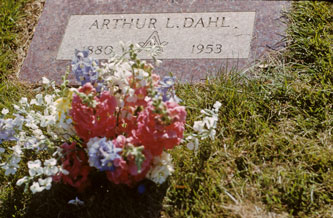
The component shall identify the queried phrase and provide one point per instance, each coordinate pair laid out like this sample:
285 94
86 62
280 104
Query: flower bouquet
120 121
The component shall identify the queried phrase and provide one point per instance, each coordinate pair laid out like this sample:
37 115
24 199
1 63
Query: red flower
75 161
94 122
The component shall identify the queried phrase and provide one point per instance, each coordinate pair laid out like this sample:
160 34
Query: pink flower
140 93
156 79
130 110
156 136
178 113
126 171
128 121
94 122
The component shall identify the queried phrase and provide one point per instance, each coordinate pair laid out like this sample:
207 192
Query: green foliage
272 156
10 13
275 139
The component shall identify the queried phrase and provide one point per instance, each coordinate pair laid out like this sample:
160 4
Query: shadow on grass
102 199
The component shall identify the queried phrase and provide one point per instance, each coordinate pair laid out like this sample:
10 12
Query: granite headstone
197 37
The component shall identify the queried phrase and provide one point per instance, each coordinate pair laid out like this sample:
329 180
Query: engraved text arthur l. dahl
153 23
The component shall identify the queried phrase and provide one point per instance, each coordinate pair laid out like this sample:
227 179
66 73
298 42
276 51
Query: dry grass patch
251 210
27 25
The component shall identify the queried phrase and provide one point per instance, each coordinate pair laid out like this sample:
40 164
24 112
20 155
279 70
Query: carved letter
190 24
106 23
167 26
137 23
152 22
130 23
94 24
223 19
116 23
211 21
200 21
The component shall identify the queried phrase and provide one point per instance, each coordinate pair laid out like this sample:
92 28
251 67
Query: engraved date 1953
207 49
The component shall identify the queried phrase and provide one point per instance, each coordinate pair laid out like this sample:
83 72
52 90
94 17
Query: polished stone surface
179 35
50 49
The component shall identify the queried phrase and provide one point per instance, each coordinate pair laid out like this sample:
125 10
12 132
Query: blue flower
85 70
7 130
166 89
141 188
102 153
168 82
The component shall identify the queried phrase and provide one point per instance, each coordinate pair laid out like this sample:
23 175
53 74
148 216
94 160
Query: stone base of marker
198 38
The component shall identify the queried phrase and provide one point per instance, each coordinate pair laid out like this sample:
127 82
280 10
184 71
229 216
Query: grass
272 156
17 20
9 14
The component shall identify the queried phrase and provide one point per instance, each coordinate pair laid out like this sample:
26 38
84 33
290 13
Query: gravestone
197 38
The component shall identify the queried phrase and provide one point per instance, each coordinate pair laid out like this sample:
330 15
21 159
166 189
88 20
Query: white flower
199 126
131 92
158 63
212 134
162 168
30 142
64 171
45 81
217 106
4 111
31 125
76 202
17 150
191 146
50 169
33 101
16 107
206 112
45 183
23 101
47 120
38 134
206 127
210 122
141 74
12 165
48 99
34 164
35 168
36 188
2 150
39 99
18 121
193 143
21 181
10 170
50 162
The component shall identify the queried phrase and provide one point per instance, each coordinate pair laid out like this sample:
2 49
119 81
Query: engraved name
151 23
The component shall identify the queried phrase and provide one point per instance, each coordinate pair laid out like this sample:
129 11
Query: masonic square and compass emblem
153 40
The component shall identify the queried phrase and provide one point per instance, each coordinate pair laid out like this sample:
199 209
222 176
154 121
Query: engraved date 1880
207 49
99 50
